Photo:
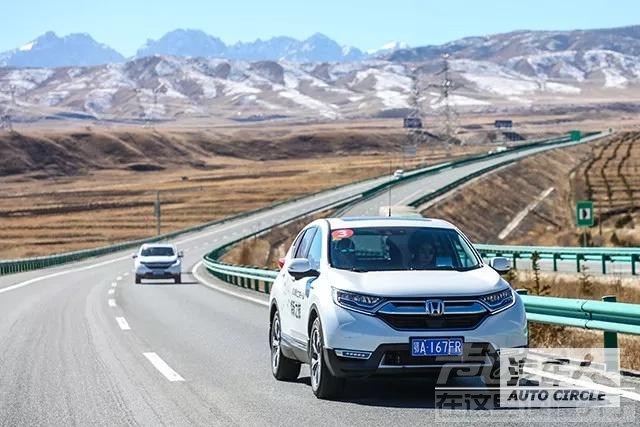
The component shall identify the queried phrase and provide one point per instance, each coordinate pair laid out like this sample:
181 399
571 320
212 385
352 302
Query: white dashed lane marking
162 366
122 322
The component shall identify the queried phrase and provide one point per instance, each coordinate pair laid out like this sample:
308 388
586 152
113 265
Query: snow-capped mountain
193 43
284 77
317 48
388 48
49 50
501 47
171 88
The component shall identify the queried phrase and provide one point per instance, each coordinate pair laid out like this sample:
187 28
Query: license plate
436 347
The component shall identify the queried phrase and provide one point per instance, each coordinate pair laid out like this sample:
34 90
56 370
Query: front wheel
282 368
323 384
177 279
138 279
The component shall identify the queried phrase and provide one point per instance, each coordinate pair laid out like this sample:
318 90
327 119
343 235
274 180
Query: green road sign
584 213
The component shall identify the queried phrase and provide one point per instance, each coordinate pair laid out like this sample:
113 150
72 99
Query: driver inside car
345 254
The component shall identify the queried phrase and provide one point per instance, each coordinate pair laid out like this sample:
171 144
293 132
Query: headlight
499 300
354 301
177 263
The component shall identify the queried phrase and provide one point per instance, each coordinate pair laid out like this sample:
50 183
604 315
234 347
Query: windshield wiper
358 270
466 268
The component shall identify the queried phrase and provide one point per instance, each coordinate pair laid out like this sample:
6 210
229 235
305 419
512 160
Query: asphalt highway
82 345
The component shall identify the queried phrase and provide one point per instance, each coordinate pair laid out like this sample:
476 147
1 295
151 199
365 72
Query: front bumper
166 273
396 360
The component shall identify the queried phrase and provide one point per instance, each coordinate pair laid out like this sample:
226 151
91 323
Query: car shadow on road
168 283
420 393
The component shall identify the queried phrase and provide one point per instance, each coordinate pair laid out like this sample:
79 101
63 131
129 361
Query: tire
323 383
282 368
138 279
177 279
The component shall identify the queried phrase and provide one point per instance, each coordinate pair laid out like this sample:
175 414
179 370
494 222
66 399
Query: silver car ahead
158 261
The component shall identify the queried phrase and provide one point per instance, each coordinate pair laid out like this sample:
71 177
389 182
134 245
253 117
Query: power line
6 119
447 111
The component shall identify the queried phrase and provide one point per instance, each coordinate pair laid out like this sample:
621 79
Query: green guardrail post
556 257
610 341
578 258
515 257
604 264
267 287
610 338
256 285
634 258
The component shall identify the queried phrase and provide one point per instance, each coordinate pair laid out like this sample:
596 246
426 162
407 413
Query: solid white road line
111 291
118 278
411 197
122 322
60 273
523 213
125 274
114 284
111 302
161 366
225 291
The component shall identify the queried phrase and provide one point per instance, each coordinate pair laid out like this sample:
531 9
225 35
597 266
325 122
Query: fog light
354 354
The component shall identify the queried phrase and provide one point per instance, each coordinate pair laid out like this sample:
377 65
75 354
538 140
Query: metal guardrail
468 159
555 253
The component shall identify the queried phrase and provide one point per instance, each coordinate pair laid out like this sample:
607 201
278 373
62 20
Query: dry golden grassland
76 190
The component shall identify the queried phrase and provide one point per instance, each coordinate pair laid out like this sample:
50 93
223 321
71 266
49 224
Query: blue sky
126 24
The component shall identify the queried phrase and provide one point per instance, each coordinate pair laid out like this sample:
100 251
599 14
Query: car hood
157 258
409 283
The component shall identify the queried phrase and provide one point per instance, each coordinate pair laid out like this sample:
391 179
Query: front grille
411 322
157 265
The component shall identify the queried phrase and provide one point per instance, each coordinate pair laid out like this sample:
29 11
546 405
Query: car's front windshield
400 248
157 251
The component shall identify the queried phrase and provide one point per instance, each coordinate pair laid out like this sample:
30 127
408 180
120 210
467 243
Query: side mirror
134 256
500 264
180 254
300 268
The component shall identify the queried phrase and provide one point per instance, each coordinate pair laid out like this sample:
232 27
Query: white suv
157 261
358 297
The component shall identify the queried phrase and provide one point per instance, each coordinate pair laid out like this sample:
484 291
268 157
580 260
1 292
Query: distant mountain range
74 50
523 71
50 51
517 48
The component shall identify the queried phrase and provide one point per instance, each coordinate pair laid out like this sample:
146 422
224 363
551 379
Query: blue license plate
436 347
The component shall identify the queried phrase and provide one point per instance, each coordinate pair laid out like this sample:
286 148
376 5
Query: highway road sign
584 213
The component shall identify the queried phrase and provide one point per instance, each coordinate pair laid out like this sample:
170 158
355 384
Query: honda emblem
434 307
